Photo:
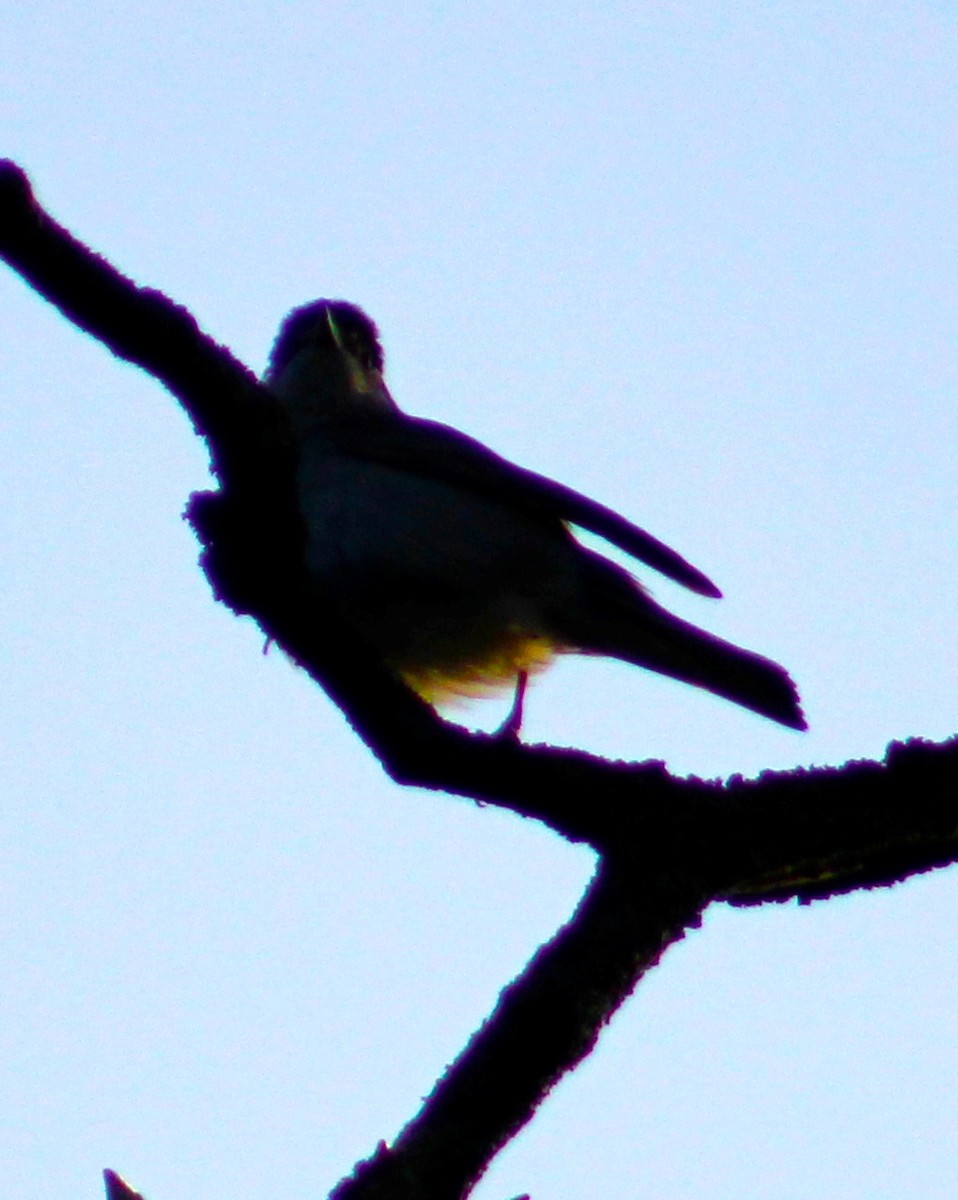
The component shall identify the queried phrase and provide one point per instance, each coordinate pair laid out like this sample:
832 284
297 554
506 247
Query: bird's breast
451 587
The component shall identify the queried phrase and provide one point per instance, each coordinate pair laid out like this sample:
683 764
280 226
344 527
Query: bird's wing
431 449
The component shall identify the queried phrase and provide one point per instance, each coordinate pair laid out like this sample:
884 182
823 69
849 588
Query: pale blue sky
696 260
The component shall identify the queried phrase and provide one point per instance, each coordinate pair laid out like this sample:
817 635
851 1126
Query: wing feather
438 451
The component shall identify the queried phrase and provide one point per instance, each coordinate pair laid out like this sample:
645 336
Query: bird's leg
513 723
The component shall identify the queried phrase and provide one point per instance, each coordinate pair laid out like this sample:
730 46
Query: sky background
698 261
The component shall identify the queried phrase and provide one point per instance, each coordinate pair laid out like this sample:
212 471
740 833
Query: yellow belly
479 671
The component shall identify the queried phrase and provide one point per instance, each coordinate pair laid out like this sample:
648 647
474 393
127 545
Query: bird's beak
334 330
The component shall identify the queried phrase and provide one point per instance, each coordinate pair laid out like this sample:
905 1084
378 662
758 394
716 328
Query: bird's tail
651 637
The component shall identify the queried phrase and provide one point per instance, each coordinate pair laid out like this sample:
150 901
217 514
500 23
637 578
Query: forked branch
667 847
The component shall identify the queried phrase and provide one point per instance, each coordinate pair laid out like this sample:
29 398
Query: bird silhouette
459 568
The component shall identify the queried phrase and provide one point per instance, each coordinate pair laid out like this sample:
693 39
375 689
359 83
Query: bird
459 569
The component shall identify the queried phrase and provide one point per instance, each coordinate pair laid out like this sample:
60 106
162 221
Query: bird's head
327 363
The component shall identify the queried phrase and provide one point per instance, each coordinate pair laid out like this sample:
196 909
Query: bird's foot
513 723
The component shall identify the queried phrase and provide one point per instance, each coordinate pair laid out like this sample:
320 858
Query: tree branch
117 1188
667 846
546 1022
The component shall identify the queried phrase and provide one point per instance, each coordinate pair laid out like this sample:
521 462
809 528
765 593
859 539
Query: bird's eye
360 353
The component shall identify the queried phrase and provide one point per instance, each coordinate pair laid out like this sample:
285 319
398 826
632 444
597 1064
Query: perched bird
458 567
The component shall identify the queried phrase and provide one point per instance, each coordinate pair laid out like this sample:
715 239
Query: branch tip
117 1188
